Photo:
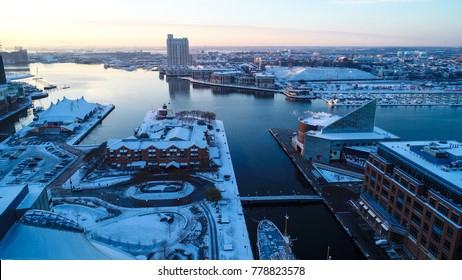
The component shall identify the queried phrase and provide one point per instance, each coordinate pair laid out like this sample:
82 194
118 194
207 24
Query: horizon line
230 46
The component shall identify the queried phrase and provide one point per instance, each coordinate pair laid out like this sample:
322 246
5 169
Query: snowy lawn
144 229
83 215
136 193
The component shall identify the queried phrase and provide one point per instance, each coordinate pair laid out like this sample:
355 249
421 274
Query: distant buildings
322 137
162 141
178 52
412 196
230 76
17 57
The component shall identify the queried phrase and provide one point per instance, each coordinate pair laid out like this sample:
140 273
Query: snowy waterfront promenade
125 218
90 124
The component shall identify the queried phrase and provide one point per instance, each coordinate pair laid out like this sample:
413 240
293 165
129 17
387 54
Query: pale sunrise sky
146 23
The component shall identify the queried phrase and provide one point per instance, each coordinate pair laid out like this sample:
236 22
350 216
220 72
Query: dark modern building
2 72
412 197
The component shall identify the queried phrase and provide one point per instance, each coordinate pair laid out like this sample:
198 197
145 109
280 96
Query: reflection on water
259 163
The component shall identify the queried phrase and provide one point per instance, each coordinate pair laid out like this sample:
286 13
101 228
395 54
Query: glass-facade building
358 121
324 140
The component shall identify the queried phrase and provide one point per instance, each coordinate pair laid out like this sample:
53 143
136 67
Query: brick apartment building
412 196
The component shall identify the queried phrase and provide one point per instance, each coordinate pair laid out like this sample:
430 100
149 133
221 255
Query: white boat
271 243
65 87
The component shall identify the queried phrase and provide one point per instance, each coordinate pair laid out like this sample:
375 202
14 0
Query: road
213 233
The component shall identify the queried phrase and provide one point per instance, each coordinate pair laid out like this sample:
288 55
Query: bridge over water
274 199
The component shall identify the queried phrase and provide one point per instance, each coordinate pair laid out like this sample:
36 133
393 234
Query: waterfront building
322 136
264 80
17 57
162 141
412 197
64 116
225 78
44 235
17 199
178 51
12 100
245 81
205 73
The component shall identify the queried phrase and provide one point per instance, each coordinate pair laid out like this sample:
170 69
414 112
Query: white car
381 242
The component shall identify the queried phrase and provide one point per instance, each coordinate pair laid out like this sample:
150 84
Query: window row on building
128 154
413 215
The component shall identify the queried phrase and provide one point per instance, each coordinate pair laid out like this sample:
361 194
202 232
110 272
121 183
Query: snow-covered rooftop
404 150
318 74
377 135
8 194
39 237
67 111
320 119
178 133
162 134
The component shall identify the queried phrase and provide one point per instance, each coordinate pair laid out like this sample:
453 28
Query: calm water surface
259 163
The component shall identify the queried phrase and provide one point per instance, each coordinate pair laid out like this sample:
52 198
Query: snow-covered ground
333 177
136 193
233 234
139 231
318 73
146 231
10 76
33 163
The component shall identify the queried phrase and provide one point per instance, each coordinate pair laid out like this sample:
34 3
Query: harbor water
261 166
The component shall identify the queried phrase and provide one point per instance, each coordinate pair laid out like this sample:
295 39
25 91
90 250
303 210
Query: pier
99 119
336 196
299 199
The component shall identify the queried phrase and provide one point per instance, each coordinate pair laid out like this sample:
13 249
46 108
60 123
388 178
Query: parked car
381 242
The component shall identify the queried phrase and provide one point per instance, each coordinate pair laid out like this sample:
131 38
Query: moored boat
47 87
271 243
38 94
300 94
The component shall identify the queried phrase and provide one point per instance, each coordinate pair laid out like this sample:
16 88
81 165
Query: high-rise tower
178 51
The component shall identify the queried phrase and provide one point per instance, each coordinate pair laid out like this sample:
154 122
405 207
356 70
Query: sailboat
37 76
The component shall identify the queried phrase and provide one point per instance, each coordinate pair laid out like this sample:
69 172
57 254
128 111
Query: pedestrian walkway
336 196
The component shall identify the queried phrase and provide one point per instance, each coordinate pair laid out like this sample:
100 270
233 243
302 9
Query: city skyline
120 23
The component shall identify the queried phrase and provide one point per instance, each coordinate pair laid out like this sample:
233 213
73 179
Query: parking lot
33 163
